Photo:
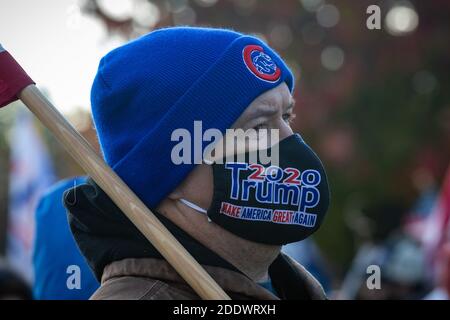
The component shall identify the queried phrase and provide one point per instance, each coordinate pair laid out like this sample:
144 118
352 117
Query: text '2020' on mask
271 204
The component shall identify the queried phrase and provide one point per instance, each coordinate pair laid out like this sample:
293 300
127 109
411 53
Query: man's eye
260 126
288 117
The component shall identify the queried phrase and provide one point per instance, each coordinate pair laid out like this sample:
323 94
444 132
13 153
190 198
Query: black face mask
271 204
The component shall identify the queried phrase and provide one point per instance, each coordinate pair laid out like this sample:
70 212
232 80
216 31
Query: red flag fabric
12 78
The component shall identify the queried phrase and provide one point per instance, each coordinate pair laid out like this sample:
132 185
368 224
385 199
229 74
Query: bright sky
59 47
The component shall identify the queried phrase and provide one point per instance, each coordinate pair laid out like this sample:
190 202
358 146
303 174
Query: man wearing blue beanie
232 216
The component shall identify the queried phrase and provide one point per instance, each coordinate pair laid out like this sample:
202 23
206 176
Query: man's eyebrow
267 110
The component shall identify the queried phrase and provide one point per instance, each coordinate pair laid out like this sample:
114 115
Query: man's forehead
271 102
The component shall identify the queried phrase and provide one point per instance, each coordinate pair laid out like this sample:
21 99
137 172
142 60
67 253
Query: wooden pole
169 247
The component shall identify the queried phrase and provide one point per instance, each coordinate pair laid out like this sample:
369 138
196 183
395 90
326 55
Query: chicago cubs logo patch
260 63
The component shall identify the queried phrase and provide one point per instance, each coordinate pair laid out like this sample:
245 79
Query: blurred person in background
387 243
56 257
402 265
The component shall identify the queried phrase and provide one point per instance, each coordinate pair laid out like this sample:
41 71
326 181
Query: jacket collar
232 282
290 279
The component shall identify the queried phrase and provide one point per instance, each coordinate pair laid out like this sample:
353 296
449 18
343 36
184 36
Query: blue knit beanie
166 80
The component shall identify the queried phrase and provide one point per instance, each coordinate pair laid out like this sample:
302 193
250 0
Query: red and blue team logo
260 63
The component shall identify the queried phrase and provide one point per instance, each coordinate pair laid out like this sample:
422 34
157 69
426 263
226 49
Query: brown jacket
154 279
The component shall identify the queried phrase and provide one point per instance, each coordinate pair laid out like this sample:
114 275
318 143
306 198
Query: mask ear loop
195 207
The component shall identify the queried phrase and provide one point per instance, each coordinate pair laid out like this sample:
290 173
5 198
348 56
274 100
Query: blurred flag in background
436 240
31 172
437 229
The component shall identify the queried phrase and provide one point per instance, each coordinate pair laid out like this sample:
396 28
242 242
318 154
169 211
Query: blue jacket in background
56 254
